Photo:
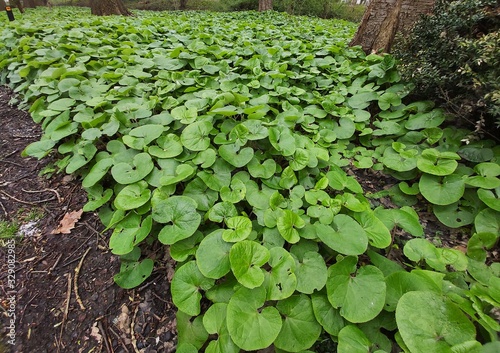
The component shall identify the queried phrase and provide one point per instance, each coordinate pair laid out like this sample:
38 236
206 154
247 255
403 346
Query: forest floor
52 314
62 292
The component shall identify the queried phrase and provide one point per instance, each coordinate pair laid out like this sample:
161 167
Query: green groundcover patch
232 138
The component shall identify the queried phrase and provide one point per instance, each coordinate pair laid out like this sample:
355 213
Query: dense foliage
454 55
234 140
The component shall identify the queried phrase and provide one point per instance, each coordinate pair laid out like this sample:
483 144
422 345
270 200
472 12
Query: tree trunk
183 4
17 3
108 7
384 18
265 5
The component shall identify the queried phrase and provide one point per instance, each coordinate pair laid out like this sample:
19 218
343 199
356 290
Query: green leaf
287 225
360 297
214 321
400 161
310 270
132 196
235 193
168 146
39 149
195 136
487 221
164 63
236 156
96 198
133 273
388 100
442 190
251 326
429 322
129 233
239 228
182 172
281 280
378 234
62 104
142 136
362 100
431 161
299 330
345 235
353 340
405 218
490 198
454 215
126 173
246 258
264 170
212 256
181 212
222 211
190 332
328 316
185 288
422 120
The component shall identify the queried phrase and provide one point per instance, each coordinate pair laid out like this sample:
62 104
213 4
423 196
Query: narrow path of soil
51 313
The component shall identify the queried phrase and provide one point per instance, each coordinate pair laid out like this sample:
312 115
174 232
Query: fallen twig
132 334
77 273
124 346
59 199
66 310
26 202
55 263
105 338
4 211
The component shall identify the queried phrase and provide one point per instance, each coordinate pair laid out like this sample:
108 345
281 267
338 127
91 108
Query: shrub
453 55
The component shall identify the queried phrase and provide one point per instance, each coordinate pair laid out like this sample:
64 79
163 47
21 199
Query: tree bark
384 18
265 5
108 7
183 4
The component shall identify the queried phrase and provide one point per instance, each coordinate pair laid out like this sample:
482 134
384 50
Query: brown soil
51 314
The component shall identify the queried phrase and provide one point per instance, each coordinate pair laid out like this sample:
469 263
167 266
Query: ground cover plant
234 140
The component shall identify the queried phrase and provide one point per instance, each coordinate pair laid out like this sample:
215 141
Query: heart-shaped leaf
141 136
212 256
360 294
195 137
442 190
181 212
345 235
429 322
239 228
214 321
299 330
128 233
126 173
328 316
168 146
246 258
132 196
431 161
185 288
132 274
281 280
287 224
251 326
236 156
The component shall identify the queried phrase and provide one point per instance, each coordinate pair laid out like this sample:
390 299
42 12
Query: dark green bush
454 56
